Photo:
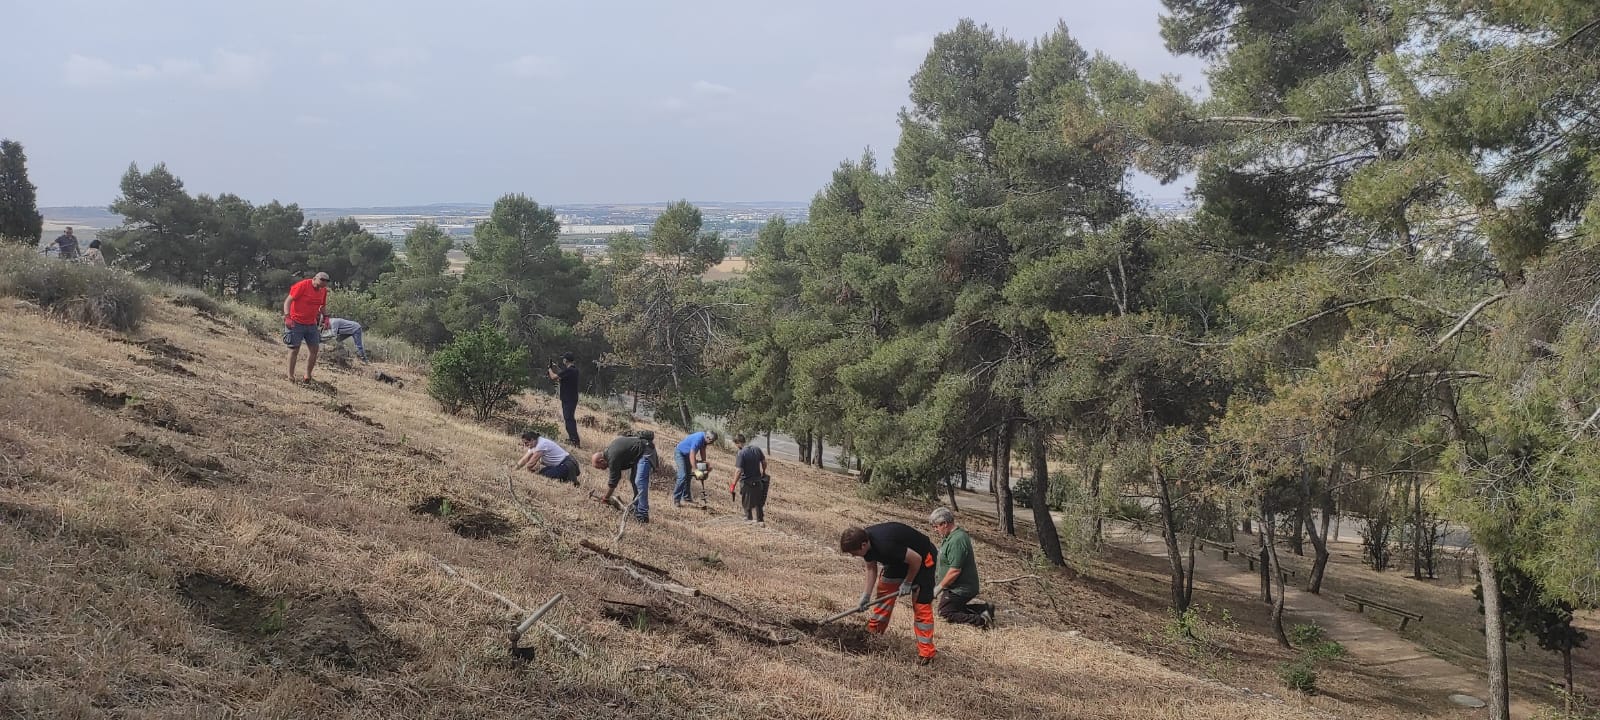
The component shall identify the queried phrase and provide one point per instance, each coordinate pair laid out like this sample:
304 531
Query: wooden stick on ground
1012 580
585 544
571 645
670 587
533 617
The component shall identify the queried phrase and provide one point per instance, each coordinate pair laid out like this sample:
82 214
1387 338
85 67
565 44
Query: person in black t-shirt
567 375
899 561
628 455
750 477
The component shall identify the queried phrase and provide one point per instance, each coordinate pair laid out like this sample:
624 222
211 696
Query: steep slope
185 533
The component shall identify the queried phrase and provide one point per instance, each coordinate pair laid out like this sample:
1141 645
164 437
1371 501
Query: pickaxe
875 601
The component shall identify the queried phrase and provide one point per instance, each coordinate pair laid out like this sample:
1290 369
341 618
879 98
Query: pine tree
20 220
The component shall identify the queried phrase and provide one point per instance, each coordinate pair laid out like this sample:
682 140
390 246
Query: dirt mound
190 470
319 386
163 364
471 524
301 631
149 411
846 637
351 413
481 525
161 347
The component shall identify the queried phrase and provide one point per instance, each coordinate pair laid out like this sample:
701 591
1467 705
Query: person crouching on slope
899 561
623 454
545 457
957 574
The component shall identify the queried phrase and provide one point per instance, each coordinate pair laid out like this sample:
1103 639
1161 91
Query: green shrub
1299 676
481 370
381 348
78 292
1306 634
194 298
1329 650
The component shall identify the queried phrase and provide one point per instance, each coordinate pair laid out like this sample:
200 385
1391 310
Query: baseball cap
322 276
568 356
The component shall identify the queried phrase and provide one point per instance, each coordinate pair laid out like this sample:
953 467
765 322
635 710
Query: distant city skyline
364 103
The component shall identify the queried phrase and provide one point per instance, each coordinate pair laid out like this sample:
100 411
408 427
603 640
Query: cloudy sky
386 102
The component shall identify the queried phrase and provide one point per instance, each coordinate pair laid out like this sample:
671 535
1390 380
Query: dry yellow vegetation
246 547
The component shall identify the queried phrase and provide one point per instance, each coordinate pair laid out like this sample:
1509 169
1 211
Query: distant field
728 269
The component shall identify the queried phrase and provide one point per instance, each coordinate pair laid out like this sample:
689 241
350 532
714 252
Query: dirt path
1370 645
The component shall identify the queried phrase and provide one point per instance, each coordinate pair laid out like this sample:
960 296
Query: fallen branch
670 587
1012 580
585 544
609 601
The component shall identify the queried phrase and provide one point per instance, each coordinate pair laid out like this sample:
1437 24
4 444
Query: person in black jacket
567 375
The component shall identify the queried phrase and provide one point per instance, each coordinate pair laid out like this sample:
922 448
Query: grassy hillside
184 533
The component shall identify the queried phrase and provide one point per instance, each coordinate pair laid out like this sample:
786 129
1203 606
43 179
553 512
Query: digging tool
875 601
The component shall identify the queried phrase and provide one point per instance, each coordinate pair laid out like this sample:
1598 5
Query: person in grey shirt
343 328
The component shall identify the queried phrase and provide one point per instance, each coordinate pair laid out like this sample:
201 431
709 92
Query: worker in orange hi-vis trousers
899 562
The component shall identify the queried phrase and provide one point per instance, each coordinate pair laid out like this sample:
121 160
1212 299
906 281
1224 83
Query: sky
347 103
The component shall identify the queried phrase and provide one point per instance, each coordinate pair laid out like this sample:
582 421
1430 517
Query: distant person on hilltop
567 375
628 452
302 317
545 457
342 328
956 575
750 476
67 245
93 256
899 562
692 450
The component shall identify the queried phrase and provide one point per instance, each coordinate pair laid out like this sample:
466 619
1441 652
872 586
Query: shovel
876 601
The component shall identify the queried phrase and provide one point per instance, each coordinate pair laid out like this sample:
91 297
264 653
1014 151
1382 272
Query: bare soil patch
351 413
162 364
207 471
846 637
470 524
150 411
653 619
161 347
301 631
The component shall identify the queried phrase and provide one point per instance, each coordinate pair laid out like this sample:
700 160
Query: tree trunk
1245 527
1002 481
1180 586
1263 559
1319 540
635 410
1566 673
804 443
769 442
950 489
1270 524
963 474
1302 513
1494 638
817 456
1098 539
1044 524
1416 527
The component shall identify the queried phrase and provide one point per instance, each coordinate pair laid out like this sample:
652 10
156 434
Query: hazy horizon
368 104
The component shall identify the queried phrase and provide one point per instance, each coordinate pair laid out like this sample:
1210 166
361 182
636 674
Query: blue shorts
309 333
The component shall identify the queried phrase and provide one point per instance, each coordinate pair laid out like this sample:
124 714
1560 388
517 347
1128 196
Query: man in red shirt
303 312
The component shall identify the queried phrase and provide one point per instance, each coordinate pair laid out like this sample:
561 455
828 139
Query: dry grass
96 548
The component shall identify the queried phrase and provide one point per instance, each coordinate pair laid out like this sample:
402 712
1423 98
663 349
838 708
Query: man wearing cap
567 376
303 311
691 451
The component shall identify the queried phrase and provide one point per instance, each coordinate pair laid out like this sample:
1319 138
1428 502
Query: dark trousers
569 413
957 609
754 497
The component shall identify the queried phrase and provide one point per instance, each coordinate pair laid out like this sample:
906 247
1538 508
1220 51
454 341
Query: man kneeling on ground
957 574
546 458
623 454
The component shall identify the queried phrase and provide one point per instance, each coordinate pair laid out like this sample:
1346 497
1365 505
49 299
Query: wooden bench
1285 574
1226 548
1405 616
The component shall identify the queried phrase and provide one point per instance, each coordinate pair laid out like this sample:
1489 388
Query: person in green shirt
956 576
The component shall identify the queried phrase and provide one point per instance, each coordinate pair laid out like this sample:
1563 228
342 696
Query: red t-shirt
305 302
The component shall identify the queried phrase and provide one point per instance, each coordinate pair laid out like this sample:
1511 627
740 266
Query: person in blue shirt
692 450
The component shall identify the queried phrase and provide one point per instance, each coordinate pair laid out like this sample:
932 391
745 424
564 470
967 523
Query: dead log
670 587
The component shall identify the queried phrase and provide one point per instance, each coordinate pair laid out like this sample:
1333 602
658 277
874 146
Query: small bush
1299 676
1329 650
79 292
1306 634
194 298
386 349
481 370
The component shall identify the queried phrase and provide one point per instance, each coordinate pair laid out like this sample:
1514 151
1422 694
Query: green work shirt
956 552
